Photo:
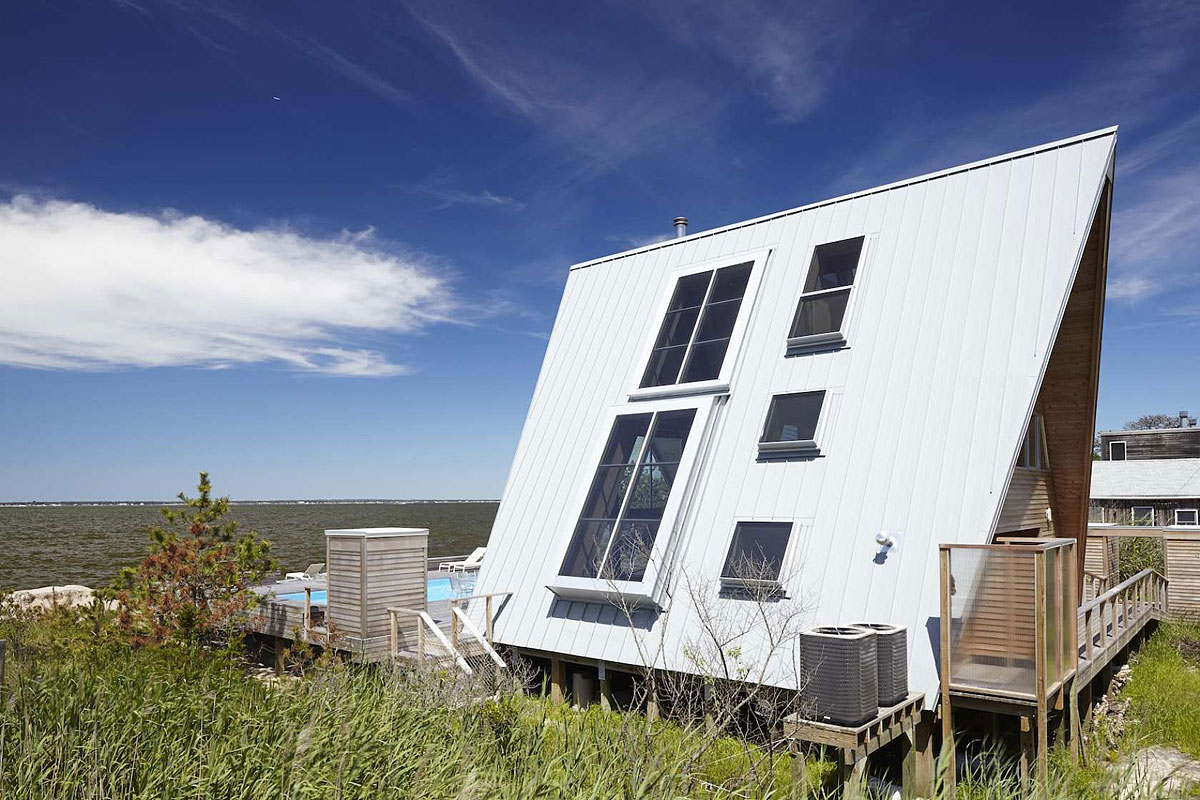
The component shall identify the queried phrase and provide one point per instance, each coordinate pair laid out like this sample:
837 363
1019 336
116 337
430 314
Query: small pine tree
195 579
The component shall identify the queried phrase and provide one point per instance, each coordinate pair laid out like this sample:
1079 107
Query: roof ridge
1010 156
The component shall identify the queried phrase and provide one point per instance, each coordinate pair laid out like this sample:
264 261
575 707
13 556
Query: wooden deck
856 744
284 618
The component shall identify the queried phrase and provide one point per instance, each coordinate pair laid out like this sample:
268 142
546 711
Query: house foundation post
606 701
918 758
853 773
558 681
280 648
651 704
1026 750
1076 724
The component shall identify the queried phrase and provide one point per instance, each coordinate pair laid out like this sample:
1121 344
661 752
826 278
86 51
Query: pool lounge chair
469 564
313 572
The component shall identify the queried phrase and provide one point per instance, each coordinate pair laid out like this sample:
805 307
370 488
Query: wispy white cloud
1165 145
634 242
787 51
1155 241
1156 238
242 17
439 189
86 288
594 105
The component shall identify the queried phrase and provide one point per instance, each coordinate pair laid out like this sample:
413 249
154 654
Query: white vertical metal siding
954 312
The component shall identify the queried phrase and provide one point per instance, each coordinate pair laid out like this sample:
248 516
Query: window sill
815 343
744 589
680 390
622 594
804 448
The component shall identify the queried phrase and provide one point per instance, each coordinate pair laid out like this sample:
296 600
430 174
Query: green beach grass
1164 691
87 716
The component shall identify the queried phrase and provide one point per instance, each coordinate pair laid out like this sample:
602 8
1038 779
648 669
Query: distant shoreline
175 501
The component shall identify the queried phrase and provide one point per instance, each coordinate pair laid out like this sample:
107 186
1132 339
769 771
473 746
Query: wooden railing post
395 632
420 641
307 612
453 624
947 709
1039 660
1087 634
487 610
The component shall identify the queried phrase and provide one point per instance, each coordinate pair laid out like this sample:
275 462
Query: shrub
195 579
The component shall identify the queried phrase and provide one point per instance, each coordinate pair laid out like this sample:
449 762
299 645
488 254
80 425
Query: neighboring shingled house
1152 492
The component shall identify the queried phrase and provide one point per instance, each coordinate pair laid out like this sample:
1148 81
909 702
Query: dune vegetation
86 714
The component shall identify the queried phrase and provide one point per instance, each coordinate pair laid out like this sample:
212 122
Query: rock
1164 767
47 597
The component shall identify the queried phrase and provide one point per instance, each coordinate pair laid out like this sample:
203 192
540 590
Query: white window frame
1124 451
803 448
833 340
720 384
784 564
1133 515
641 593
1195 516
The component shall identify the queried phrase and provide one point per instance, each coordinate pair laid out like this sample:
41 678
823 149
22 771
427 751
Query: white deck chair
313 572
471 562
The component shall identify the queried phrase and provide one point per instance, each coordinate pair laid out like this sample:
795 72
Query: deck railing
1095 584
425 625
1112 618
1008 634
1009 618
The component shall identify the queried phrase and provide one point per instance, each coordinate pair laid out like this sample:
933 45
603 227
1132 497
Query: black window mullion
629 491
692 341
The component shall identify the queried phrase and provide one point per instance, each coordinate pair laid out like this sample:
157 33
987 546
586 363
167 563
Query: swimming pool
435 589
320 597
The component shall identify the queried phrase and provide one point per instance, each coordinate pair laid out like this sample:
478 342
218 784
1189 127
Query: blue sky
316 248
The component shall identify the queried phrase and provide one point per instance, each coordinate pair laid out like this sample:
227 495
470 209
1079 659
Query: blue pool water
435 589
319 597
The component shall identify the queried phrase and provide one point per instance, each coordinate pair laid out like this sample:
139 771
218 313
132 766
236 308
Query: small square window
1185 516
1142 515
1116 451
756 553
792 422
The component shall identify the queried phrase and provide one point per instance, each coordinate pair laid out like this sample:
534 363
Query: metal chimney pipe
680 227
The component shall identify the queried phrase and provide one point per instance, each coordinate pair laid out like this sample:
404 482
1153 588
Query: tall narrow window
1116 451
822 307
696 330
1033 448
792 422
756 552
629 493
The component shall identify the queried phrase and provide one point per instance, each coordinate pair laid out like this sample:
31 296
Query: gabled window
756 553
1116 451
698 326
1185 516
1142 515
620 518
1033 448
792 424
822 308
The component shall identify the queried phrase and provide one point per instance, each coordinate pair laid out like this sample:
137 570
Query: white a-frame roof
961 288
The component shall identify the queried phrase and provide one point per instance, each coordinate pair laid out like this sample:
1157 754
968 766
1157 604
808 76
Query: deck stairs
457 644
